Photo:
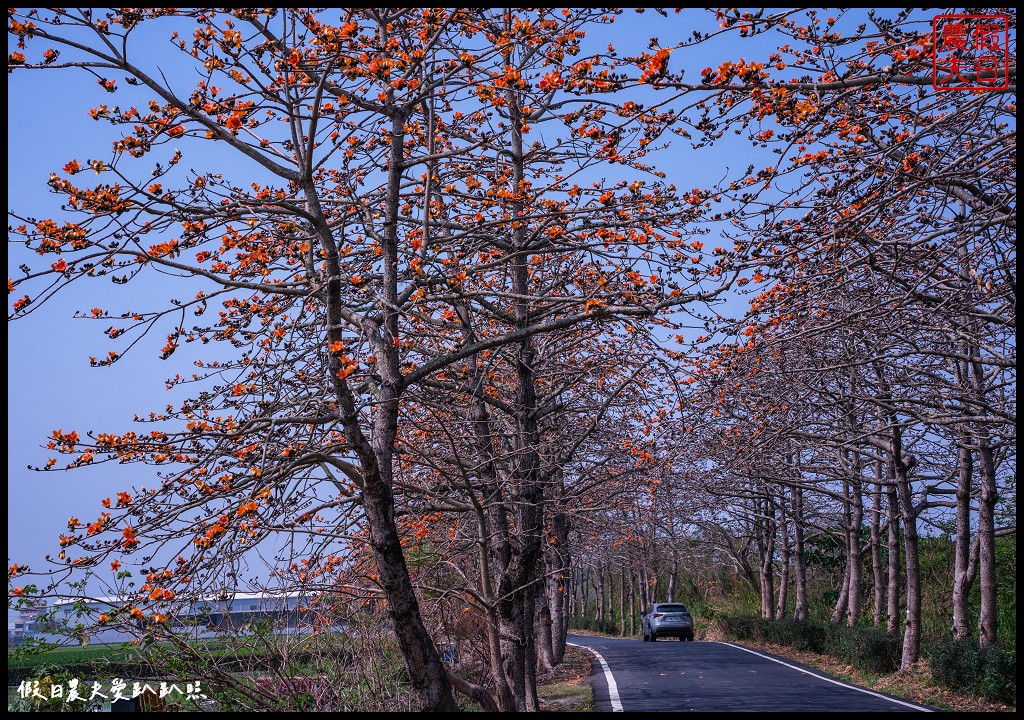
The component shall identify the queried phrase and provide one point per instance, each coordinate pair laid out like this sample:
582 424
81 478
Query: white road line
613 689
828 679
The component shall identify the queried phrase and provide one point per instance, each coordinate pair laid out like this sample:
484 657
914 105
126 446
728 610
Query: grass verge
566 689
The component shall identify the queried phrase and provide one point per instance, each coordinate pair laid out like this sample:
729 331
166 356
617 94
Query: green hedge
988 672
865 648
961 665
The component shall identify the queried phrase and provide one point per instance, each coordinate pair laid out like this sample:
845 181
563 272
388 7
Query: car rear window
672 608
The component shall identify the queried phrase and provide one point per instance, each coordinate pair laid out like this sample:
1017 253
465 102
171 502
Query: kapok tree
328 249
886 185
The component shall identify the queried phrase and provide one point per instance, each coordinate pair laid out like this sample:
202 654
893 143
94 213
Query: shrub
998 679
740 627
877 651
866 648
989 672
800 634
954 663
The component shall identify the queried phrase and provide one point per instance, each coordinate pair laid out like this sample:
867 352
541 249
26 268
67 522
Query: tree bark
799 562
673 573
839 611
767 565
622 600
780 607
543 630
912 620
892 622
962 580
877 574
988 614
633 582
853 610
585 591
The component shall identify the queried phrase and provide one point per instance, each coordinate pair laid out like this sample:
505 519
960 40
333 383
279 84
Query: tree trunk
622 600
633 582
764 530
672 576
609 586
426 671
557 594
543 631
643 584
839 611
853 610
962 580
570 594
513 650
987 619
892 623
912 621
780 607
877 576
532 702
799 563
585 591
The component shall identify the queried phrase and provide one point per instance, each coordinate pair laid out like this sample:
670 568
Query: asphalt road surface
669 675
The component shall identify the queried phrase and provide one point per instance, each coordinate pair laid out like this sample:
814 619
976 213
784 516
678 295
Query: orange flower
115 565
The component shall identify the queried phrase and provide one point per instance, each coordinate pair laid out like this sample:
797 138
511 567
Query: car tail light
659 614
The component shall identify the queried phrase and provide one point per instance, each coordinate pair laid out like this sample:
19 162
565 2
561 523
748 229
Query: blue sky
50 383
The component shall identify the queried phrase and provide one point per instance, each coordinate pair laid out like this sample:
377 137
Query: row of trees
871 386
448 275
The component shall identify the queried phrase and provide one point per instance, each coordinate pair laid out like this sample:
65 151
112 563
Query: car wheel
654 638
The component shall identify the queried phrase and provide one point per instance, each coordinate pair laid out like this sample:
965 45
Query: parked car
667 620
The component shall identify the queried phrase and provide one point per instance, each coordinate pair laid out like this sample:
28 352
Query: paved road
669 675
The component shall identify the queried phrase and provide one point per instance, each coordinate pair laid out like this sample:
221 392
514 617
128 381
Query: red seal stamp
971 52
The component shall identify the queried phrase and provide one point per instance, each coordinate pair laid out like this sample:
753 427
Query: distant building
201 617
26 623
